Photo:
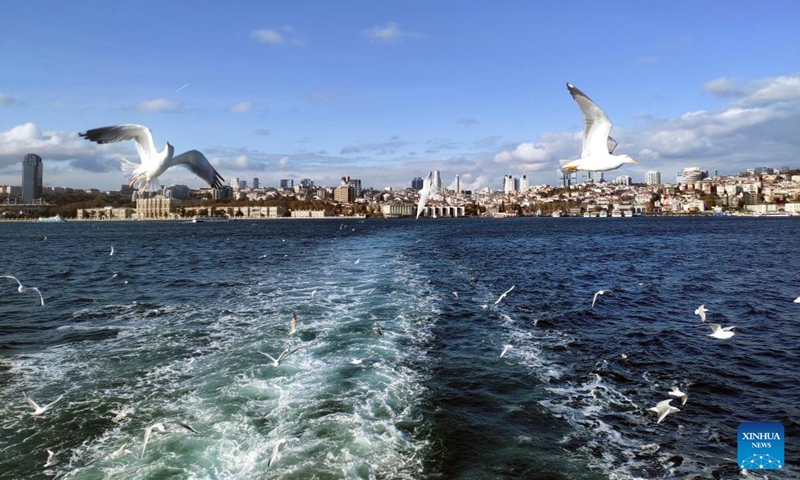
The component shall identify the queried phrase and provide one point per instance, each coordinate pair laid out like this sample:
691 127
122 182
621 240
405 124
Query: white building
653 177
508 184
523 183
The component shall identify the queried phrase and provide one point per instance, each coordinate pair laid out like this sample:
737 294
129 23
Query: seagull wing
270 357
140 134
200 166
147 432
13 278
186 426
597 125
41 298
53 402
30 401
274 455
612 144
424 193
595 298
715 327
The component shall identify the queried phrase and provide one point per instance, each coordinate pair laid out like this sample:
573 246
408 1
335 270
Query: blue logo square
760 445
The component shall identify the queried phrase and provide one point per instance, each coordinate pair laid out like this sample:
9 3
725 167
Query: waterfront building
158 207
31 177
287 183
652 177
417 183
311 213
397 209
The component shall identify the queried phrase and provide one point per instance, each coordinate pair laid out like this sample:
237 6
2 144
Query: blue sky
386 91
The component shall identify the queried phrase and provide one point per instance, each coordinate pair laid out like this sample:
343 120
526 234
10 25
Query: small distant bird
23 289
313 293
377 330
676 392
37 410
111 254
277 361
797 300
663 409
51 458
293 325
504 295
358 260
154 163
120 451
160 427
624 356
701 310
356 361
600 292
275 455
718 331
455 294
122 415
505 349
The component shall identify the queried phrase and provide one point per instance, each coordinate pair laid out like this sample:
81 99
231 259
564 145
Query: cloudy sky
386 91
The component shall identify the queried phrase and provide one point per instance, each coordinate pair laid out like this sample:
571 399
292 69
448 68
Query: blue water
172 324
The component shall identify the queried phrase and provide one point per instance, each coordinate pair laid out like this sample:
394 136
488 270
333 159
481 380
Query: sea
175 327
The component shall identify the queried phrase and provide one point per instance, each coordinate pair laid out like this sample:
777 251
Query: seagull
274 455
23 289
504 294
112 251
456 295
797 300
721 332
159 427
154 163
51 458
356 361
624 356
37 410
701 310
505 349
293 325
676 392
358 260
120 451
122 415
277 361
377 330
427 188
663 409
600 292
598 146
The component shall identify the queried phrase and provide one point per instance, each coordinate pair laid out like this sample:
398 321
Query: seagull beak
633 161
570 169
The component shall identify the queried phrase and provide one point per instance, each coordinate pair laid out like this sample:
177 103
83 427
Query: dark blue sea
173 325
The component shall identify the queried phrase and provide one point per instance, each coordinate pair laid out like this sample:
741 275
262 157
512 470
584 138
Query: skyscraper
287 183
31 177
523 183
653 177
255 182
416 183
437 181
458 185
508 184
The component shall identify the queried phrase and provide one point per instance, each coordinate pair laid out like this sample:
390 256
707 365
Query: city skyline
386 93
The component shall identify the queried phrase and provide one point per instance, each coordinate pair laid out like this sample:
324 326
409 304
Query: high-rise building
692 174
653 177
343 194
307 183
508 184
31 177
458 185
436 182
523 183
287 183
235 184
417 183
356 184
256 182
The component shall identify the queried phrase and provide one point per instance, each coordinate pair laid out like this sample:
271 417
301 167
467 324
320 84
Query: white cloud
527 156
7 100
275 37
721 87
159 105
389 33
241 107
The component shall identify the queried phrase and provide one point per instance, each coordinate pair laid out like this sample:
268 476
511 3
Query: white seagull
504 295
505 349
111 254
37 410
797 300
701 310
277 361
293 325
23 289
159 427
663 409
51 458
718 331
154 163
600 292
676 392
274 456
598 146
120 451
427 187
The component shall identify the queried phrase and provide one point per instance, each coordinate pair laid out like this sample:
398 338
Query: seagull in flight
277 361
154 163
505 349
600 292
701 310
504 294
598 146
427 191
293 325
120 451
663 408
797 300
111 254
51 458
274 456
723 333
22 288
676 392
160 427
37 410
